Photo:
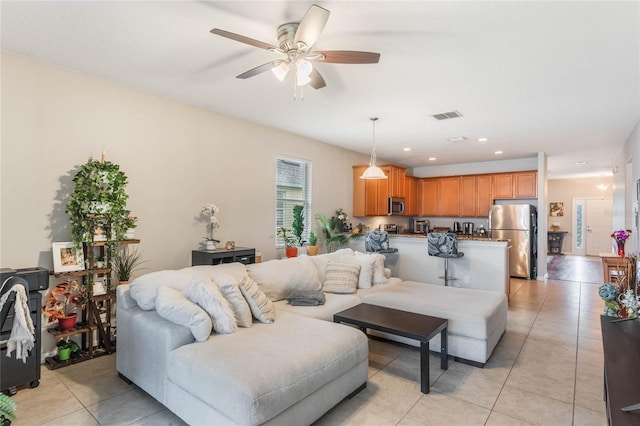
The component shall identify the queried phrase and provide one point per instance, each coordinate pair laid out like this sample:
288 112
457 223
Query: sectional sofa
272 362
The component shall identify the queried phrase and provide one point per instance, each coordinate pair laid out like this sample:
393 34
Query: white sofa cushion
341 278
278 278
261 306
378 267
366 263
207 295
173 306
333 303
239 305
255 374
145 288
471 313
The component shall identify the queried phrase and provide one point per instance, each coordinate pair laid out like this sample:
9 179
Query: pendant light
373 171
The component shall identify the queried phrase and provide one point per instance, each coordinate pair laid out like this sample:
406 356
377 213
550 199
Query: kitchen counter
460 237
484 266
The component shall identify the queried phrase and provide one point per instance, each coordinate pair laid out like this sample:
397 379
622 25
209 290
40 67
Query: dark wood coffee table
401 323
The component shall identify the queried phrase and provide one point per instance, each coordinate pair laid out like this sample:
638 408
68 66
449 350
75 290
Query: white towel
22 337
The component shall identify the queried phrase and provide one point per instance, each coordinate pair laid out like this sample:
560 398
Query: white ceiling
554 77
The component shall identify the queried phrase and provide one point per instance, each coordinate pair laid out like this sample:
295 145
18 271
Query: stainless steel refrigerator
518 223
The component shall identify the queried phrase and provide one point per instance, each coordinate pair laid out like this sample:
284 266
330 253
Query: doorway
592 226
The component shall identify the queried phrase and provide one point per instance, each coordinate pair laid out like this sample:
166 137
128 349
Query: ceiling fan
295 40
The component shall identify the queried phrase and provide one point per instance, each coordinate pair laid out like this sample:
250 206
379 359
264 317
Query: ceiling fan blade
345 57
311 26
317 82
259 69
243 39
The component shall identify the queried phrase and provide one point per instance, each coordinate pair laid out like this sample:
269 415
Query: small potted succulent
125 263
312 248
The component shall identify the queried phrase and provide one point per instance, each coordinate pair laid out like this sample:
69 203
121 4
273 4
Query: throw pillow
145 288
261 306
241 310
341 278
173 306
378 267
278 278
206 294
366 263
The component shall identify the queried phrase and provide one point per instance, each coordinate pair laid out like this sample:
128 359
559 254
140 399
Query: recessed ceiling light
497 152
483 139
580 163
432 158
407 149
457 139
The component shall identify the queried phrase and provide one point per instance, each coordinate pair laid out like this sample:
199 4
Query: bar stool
378 242
445 246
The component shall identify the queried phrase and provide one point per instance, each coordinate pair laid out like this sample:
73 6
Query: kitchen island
484 266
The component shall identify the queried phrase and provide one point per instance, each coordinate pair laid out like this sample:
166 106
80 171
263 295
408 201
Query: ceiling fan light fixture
302 79
373 171
281 70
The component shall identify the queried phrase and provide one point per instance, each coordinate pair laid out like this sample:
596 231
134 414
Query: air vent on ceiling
457 139
447 115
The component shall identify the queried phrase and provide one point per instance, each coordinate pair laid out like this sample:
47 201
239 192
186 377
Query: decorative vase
130 234
291 251
64 354
209 245
312 250
620 247
67 323
123 282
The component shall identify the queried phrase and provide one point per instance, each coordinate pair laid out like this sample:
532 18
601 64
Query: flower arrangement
210 211
339 221
621 235
130 221
64 300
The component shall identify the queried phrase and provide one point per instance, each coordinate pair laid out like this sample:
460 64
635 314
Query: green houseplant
298 223
8 409
289 241
66 348
125 263
312 248
335 241
99 200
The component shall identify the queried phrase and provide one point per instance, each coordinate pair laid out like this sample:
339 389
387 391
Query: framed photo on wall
66 259
556 209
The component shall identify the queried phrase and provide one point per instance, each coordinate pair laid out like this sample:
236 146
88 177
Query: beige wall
564 190
177 158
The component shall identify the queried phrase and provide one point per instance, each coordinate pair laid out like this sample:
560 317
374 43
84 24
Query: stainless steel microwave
396 206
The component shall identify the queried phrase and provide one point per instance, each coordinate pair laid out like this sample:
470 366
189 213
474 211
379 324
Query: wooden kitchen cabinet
449 191
484 195
410 196
525 184
468 196
428 197
371 196
503 185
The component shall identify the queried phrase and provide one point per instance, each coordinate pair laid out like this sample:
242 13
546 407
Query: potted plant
312 248
335 241
99 200
8 410
125 263
65 348
63 304
130 222
289 241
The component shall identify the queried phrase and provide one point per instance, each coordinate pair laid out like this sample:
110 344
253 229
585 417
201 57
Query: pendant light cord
372 162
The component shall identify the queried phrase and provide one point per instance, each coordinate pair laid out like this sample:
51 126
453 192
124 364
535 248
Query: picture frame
556 209
99 286
66 258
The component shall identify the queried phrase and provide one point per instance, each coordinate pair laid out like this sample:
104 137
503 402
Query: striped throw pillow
341 278
261 306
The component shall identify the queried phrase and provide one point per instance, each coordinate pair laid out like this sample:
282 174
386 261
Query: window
293 187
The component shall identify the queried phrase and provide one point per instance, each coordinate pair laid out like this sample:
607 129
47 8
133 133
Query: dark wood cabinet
219 256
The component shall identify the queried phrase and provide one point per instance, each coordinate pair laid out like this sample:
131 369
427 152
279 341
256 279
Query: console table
621 343
218 256
555 239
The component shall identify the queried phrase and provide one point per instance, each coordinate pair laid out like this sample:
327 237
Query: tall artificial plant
298 223
332 240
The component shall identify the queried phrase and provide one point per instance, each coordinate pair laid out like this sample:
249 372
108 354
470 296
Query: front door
598 220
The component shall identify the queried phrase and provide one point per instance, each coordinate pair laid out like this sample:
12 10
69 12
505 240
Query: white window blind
293 187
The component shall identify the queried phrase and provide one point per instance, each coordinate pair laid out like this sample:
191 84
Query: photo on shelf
99 286
66 258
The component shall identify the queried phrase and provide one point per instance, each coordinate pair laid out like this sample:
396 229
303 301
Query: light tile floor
546 370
